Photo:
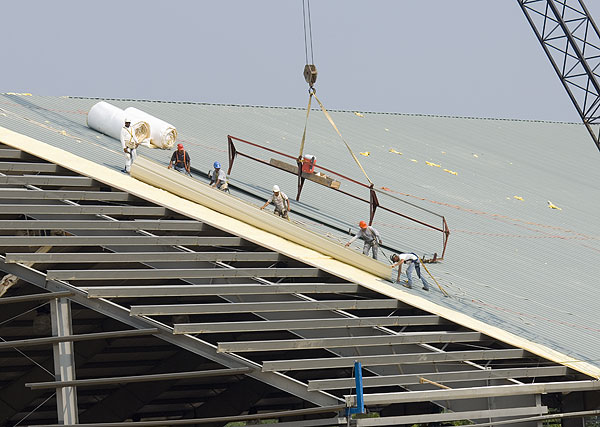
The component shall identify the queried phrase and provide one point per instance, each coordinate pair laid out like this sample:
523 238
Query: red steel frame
373 200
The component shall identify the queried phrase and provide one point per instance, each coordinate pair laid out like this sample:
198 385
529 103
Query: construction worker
370 236
281 202
129 143
218 178
413 262
180 160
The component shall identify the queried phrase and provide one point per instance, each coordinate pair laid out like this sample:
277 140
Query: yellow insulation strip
342 138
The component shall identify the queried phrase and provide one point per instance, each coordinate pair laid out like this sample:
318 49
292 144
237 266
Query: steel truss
571 41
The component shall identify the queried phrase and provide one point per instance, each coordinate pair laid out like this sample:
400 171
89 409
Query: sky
476 58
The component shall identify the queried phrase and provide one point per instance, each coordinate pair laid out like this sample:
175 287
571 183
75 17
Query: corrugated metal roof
511 263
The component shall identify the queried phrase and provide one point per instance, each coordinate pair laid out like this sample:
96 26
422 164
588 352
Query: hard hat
127 120
180 146
276 189
217 165
362 224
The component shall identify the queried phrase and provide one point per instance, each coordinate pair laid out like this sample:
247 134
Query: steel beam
52 180
142 257
189 343
393 359
64 361
293 325
29 167
218 420
181 273
475 392
341 342
33 342
10 153
34 297
441 377
452 416
263 307
119 241
200 290
112 196
139 378
161 224
84 210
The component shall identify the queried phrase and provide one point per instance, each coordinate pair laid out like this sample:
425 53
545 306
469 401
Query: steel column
64 361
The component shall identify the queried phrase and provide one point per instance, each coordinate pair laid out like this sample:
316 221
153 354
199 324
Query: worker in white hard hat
129 142
414 263
281 202
370 236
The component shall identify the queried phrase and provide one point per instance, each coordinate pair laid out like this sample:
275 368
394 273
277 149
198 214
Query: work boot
425 289
406 285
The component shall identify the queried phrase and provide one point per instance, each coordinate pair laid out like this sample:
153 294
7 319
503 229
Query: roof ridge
332 110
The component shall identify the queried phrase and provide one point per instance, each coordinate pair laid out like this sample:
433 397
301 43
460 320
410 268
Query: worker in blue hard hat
218 178
180 160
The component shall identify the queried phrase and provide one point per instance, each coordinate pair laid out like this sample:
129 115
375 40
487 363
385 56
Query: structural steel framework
117 311
571 41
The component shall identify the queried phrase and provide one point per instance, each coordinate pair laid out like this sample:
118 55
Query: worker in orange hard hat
180 160
370 236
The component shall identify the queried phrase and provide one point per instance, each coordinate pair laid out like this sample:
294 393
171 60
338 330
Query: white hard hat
127 120
275 189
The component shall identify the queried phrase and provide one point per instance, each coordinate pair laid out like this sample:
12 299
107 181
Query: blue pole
360 401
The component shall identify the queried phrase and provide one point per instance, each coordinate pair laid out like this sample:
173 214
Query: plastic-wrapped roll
109 120
162 134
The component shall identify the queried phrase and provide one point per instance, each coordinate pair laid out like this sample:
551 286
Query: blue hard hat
217 165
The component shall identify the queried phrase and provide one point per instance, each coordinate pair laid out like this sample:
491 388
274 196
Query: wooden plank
319 179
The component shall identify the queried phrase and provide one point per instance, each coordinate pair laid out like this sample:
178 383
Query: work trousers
130 158
415 266
373 245
281 212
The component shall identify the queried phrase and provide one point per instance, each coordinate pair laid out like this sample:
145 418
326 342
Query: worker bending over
218 178
370 236
180 160
129 143
281 202
413 262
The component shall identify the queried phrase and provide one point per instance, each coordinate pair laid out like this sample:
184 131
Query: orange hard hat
362 224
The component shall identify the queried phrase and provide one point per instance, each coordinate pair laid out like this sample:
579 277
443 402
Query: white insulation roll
109 120
162 134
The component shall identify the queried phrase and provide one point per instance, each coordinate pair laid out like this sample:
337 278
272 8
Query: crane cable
310 75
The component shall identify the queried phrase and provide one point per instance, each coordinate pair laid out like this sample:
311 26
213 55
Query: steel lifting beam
571 40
